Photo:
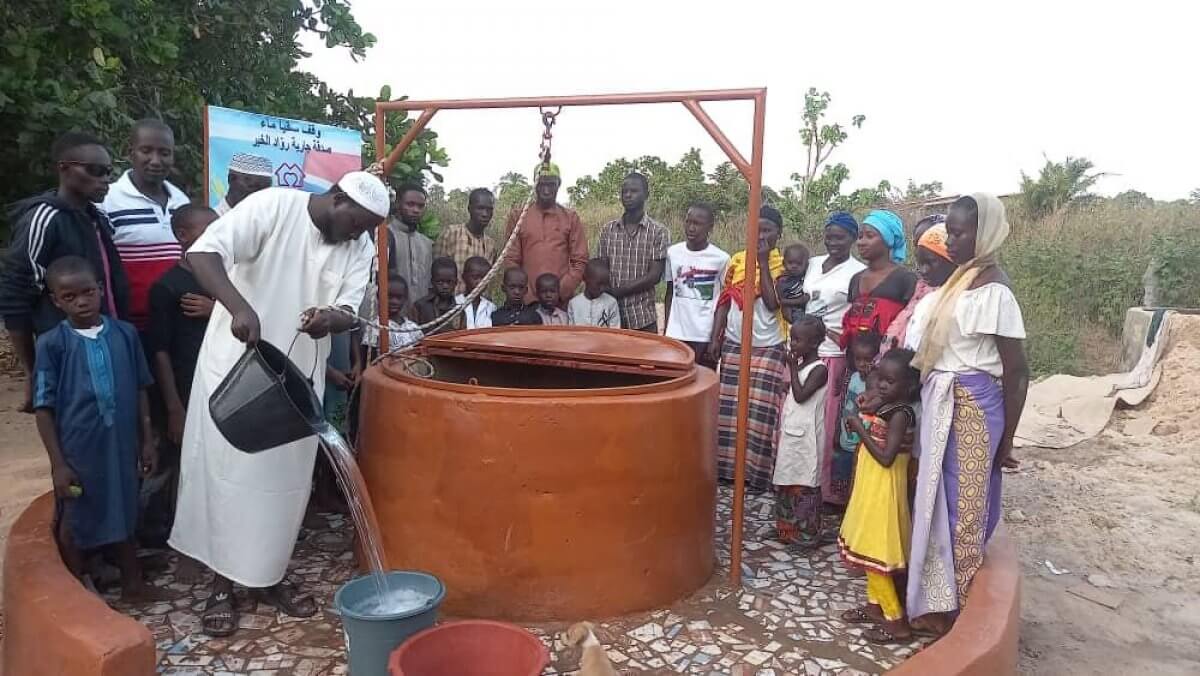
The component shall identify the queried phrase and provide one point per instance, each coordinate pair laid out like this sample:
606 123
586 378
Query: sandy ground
1120 513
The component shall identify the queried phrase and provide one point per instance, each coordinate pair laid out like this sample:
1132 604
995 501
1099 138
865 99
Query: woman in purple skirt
972 361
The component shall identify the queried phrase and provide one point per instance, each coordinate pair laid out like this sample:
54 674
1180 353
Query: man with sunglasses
57 223
140 205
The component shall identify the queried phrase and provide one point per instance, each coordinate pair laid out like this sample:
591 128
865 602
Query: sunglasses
92 168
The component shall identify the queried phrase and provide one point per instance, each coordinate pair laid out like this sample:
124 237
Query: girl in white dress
797 475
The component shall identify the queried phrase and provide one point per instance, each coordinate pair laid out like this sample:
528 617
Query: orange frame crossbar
751 170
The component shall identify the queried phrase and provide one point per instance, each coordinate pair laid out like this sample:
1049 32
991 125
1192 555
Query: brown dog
594 661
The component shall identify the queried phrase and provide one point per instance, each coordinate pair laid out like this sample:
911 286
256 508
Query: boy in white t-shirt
694 271
479 314
595 307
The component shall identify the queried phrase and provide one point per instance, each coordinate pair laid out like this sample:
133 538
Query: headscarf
993 229
934 239
844 220
891 229
771 214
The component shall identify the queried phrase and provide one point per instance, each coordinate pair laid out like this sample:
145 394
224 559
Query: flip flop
882 636
859 616
220 617
287 598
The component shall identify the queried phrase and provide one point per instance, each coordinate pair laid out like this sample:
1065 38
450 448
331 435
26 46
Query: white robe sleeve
357 275
241 234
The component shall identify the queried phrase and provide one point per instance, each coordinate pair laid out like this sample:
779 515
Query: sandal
288 598
220 618
860 616
882 636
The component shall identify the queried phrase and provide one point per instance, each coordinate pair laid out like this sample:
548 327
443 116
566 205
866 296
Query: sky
970 94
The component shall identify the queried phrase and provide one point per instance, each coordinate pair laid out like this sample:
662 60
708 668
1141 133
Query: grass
1075 273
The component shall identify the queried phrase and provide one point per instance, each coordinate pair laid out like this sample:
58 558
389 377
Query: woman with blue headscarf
877 295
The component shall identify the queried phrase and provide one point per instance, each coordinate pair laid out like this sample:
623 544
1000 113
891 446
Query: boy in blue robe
93 416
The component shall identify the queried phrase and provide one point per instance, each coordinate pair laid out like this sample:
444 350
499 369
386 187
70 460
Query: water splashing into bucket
350 480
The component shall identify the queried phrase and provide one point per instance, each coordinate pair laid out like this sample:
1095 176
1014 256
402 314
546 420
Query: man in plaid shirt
635 246
469 240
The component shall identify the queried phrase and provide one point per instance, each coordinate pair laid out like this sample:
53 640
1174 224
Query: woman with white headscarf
972 362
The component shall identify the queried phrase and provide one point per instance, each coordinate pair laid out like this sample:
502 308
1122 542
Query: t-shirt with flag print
696 278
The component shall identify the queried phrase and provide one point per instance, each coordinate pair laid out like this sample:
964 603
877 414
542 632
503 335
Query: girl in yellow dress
876 529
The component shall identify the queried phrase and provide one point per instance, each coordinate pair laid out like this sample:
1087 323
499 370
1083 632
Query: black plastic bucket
265 401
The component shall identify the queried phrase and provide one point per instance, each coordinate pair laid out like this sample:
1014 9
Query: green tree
820 139
101 64
672 186
1058 185
1134 198
511 192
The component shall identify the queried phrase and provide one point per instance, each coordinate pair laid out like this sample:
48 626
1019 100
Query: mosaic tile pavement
784 621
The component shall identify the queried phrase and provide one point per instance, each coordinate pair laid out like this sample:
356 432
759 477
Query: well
546 473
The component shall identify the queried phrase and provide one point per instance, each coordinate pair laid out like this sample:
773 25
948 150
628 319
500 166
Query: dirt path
1122 514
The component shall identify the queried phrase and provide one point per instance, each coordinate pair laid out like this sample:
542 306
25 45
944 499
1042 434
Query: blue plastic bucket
370 638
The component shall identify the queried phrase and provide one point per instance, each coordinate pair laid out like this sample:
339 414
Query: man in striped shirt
140 204
49 226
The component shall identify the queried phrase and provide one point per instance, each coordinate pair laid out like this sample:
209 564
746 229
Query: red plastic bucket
470 647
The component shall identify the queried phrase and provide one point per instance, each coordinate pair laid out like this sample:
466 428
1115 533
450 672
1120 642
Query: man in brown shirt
552 239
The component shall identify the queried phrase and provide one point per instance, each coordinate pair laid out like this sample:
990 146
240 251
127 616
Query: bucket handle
316 357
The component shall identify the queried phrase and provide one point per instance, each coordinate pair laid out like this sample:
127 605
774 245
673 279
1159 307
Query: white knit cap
251 165
368 191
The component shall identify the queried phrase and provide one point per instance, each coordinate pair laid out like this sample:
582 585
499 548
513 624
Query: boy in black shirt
515 312
444 274
179 312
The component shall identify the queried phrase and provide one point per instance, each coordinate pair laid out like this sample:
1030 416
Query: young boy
515 312
179 311
479 314
595 306
402 331
93 417
444 274
694 271
790 285
548 300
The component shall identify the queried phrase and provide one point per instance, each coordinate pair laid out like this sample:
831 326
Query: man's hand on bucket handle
246 327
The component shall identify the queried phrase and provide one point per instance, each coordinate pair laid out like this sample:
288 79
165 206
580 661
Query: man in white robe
276 264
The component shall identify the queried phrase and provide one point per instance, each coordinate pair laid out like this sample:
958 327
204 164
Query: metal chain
548 121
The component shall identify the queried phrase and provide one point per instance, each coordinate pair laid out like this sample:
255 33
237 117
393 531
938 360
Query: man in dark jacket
57 223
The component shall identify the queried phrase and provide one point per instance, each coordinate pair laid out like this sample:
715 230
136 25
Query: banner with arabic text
303 155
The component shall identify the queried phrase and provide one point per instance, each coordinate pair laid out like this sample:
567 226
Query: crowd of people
882 400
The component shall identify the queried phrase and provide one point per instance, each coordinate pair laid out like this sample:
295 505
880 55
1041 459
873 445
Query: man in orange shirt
552 239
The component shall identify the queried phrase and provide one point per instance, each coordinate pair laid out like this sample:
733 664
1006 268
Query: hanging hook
548 120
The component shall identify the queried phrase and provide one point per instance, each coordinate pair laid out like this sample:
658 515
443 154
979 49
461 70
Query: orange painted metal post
381 233
719 136
584 100
748 296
